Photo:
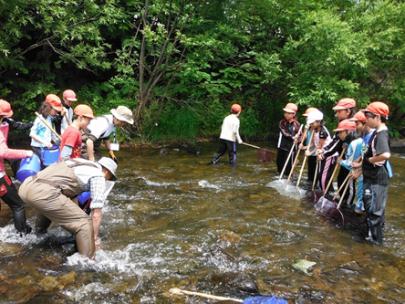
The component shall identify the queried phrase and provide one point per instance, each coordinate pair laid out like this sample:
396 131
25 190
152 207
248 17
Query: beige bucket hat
122 113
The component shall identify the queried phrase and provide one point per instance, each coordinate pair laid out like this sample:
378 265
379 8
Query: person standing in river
8 192
289 128
229 136
376 171
101 129
71 142
51 191
68 97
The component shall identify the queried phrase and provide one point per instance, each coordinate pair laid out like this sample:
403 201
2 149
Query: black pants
226 145
9 194
311 168
282 156
375 201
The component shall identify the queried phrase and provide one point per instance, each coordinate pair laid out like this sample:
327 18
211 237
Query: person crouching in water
376 171
70 146
8 192
229 136
289 128
50 192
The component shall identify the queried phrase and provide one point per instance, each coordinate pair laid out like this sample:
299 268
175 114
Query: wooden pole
289 155
178 291
305 160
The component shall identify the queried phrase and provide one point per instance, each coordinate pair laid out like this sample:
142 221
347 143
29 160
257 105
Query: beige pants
51 203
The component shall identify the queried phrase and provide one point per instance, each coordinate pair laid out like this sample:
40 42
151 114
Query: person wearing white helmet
102 128
320 139
51 191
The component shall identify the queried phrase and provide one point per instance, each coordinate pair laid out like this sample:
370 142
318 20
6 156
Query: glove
112 155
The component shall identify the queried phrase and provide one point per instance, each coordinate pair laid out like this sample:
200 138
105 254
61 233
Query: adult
8 192
68 97
229 136
50 192
102 128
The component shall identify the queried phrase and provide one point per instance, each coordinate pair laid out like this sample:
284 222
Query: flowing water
174 221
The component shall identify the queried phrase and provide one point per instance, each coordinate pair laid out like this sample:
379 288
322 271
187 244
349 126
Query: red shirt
72 137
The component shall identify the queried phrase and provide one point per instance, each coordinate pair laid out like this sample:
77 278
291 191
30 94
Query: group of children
76 133
359 146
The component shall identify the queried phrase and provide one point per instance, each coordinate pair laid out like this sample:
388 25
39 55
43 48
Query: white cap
314 116
110 165
123 113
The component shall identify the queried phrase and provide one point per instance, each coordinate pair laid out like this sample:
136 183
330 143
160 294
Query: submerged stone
304 266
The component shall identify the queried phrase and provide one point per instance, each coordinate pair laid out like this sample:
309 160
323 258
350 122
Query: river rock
49 283
304 266
68 278
9 250
230 236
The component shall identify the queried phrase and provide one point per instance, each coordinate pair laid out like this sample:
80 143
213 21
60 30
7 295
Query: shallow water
174 221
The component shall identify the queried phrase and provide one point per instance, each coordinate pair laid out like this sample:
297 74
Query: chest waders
50 192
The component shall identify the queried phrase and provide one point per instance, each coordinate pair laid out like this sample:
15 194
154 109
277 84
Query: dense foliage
180 64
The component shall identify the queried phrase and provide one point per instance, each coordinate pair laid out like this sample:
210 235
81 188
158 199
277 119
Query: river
174 221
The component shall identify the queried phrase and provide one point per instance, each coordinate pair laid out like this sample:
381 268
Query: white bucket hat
110 165
123 113
313 116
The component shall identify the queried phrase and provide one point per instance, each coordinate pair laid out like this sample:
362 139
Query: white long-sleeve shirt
230 128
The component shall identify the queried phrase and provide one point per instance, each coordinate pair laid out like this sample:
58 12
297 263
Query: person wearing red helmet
8 192
68 97
364 132
344 109
289 128
376 170
41 136
71 142
229 136
354 152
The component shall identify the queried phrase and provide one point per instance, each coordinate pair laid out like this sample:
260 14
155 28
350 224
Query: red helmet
378 108
345 104
5 108
346 125
291 108
83 110
359 116
69 95
54 102
236 108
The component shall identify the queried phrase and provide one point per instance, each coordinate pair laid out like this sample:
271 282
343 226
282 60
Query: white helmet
313 116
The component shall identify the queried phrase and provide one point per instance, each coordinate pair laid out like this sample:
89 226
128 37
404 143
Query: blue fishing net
264 300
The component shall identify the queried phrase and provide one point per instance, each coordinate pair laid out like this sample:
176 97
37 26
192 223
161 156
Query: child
344 109
229 136
8 192
289 127
41 136
345 129
365 133
306 143
376 171
320 138
68 97
71 142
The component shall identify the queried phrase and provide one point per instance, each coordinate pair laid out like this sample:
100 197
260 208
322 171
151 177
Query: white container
114 146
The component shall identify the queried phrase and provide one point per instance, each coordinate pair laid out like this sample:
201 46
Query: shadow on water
174 221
